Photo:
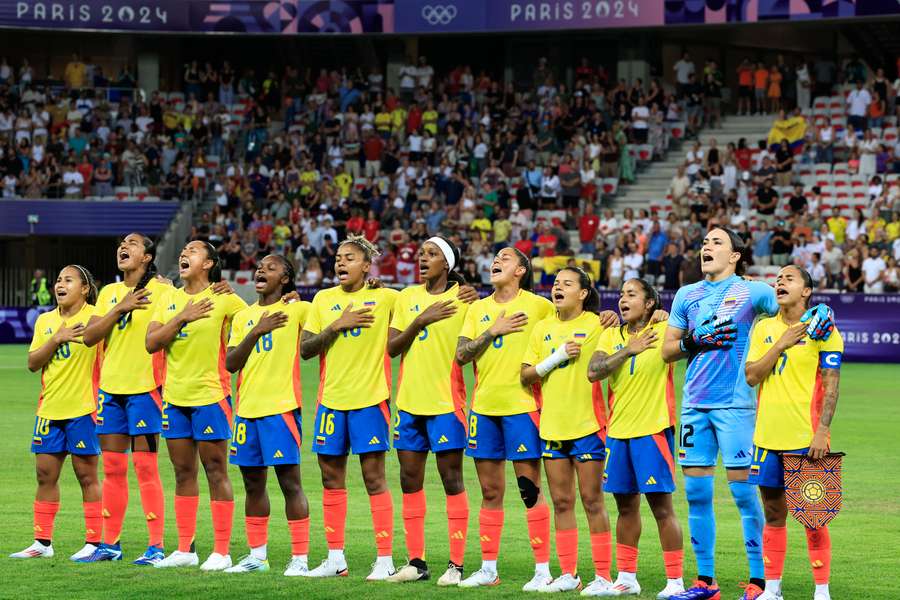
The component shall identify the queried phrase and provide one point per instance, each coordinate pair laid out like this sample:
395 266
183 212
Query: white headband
446 250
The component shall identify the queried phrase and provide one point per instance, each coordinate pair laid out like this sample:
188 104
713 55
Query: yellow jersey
195 360
355 370
838 227
641 392
430 381
383 122
498 391
69 380
127 368
344 181
790 397
430 121
269 383
572 406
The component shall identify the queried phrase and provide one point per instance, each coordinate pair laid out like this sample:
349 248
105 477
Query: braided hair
151 270
87 279
592 302
289 272
369 250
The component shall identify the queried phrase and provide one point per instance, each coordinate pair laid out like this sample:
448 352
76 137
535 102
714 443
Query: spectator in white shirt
550 188
73 182
684 68
694 161
858 105
817 271
634 260
424 73
873 269
640 114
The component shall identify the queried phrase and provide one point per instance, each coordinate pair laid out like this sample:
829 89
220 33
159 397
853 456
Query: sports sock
334 516
152 499
818 543
626 558
299 529
257 532
115 494
746 497
223 519
414 524
457 525
702 523
186 520
567 550
674 563
601 553
93 521
382 507
538 518
490 527
774 550
44 515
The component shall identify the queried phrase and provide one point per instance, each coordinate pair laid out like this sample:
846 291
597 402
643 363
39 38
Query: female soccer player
129 405
65 415
573 424
347 327
640 439
191 325
798 381
431 399
264 347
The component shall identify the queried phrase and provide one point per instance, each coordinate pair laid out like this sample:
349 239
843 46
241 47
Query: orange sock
674 563
223 519
257 531
539 532
774 550
567 550
601 552
458 525
490 527
44 515
93 521
382 507
626 558
299 529
186 520
115 494
818 542
152 499
414 524
334 509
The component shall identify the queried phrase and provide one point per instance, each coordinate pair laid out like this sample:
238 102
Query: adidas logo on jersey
485 319
414 308
585 457
619 347
278 454
250 323
49 331
208 430
547 338
141 423
80 445
374 440
171 307
457 535
752 544
650 481
768 339
443 439
521 448
741 454
336 307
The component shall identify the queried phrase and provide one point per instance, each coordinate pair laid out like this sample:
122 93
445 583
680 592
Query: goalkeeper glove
820 322
713 332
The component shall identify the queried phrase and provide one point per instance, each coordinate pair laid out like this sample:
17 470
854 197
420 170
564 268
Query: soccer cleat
298 567
85 551
103 553
672 588
538 582
35 550
766 595
699 590
480 578
382 569
216 562
624 587
329 568
410 572
564 583
249 564
452 576
751 591
178 559
151 556
600 586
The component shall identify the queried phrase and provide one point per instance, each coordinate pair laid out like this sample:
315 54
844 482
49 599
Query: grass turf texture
864 537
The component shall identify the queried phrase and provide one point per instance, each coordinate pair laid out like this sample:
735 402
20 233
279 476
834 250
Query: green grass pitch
865 537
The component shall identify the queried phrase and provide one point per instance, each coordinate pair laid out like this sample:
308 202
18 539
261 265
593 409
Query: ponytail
151 270
807 282
88 280
289 272
527 281
592 302
215 272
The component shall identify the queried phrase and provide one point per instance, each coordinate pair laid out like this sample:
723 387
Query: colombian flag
793 130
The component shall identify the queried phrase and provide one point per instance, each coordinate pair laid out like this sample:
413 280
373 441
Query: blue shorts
513 437
208 423
767 469
583 449
706 431
362 430
640 465
266 441
424 433
129 414
75 436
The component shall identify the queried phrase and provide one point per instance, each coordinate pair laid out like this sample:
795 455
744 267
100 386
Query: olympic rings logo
439 14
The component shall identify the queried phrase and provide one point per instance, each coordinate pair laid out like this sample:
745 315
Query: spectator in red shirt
587 229
356 224
387 266
546 241
414 118
743 155
87 171
372 149
525 245
264 231
372 228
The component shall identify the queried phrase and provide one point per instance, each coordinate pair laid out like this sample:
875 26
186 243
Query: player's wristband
558 357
